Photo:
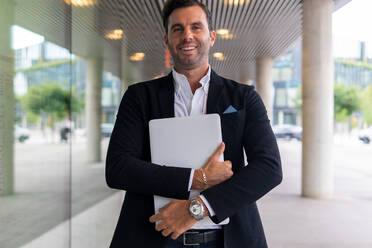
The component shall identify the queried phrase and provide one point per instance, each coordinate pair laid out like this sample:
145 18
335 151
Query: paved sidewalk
345 221
42 197
37 215
92 228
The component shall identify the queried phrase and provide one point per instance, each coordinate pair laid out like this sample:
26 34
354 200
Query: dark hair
171 5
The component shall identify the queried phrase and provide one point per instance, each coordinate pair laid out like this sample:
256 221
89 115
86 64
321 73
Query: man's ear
213 37
166 40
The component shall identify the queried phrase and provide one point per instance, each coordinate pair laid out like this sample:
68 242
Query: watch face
196 209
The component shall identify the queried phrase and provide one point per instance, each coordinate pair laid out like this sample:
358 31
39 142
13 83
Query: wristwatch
196 209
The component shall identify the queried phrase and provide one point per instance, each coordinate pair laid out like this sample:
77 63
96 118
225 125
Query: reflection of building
286 94
110 97
47 62
286 79
353 72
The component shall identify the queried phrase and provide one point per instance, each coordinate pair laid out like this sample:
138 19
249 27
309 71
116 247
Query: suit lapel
214 93
166 97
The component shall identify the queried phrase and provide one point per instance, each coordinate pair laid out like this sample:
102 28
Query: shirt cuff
210 209
191 178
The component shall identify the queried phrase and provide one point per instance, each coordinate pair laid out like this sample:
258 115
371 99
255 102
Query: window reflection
48 191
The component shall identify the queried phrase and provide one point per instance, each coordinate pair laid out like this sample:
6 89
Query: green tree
50 101
346 101
366 105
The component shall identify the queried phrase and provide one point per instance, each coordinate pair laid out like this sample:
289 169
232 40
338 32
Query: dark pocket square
230 109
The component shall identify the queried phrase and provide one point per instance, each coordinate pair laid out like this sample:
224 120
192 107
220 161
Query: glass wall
35 104
59 95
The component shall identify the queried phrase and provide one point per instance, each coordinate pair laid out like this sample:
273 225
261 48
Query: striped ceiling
256 28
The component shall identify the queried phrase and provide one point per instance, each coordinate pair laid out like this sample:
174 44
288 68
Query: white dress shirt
187 104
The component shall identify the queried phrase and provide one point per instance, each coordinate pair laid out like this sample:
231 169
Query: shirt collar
181 82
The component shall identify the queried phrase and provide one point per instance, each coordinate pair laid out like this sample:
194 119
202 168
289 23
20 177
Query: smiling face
189 38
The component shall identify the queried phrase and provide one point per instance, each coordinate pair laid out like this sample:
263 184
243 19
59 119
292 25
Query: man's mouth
189 48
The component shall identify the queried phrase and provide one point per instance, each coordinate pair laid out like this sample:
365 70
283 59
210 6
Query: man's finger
155 218
225 163
166 232
228 164
175 235
160 226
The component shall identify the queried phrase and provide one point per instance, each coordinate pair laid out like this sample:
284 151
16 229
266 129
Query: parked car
21 134
365 135
288 132
106 129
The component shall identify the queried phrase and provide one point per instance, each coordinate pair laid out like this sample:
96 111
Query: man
230 189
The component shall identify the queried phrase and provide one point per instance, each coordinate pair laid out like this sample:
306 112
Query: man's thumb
219 151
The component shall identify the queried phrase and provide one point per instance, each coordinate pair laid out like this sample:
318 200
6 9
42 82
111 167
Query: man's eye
176 29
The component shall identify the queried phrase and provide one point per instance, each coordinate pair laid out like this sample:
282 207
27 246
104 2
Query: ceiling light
81 3
116 34
236 2
224 33
137 57
219 56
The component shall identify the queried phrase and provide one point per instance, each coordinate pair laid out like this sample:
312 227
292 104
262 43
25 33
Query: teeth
188 48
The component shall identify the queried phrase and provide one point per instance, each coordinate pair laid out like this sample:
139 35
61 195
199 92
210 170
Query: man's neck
194 75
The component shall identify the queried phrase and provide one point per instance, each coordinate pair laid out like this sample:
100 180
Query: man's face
189 38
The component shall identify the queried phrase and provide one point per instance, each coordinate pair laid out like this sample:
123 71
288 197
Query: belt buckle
184 238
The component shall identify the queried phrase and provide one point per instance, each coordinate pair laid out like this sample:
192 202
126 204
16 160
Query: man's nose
188 34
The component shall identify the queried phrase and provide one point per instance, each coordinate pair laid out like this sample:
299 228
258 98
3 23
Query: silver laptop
185 142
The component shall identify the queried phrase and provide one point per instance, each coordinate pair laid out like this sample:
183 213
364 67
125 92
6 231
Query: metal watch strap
196 202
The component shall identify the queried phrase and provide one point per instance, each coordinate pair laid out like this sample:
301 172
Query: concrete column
93 108
137 72
6 99
264 82
317 95
247 73
125 67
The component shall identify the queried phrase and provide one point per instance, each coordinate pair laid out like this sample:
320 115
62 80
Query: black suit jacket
128 165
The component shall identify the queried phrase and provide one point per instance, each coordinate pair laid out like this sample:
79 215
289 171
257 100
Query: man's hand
216 172
174 218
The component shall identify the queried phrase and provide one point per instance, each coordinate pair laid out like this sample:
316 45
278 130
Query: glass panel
35 93
96 83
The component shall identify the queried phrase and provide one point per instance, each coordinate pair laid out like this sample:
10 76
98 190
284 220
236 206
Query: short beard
187 63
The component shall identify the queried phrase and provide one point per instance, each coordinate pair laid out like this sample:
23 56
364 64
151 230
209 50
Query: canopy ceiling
255 28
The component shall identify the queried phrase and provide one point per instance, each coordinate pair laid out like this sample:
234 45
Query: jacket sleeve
126 166
263 171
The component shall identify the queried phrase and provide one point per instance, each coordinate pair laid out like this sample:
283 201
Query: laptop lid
186 142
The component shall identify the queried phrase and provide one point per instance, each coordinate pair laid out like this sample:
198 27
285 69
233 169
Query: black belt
197 237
